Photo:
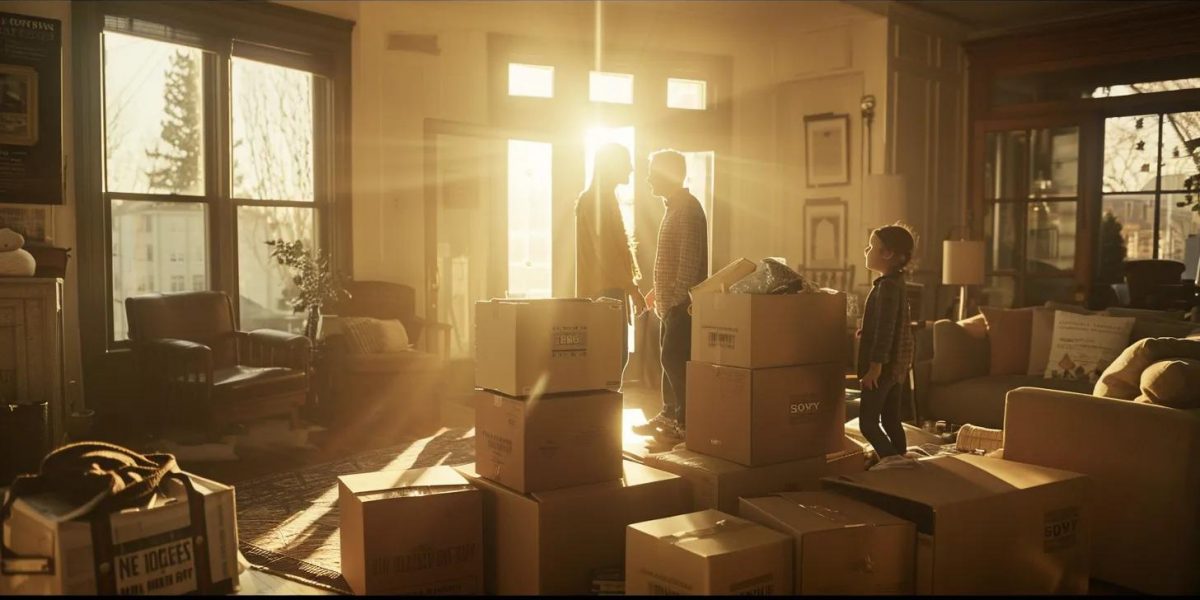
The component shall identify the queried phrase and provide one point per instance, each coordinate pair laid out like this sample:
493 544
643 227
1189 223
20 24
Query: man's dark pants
675 337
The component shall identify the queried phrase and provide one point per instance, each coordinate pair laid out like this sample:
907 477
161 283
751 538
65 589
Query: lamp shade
886 198
962 262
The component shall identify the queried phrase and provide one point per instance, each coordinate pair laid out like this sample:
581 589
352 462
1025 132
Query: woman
605 261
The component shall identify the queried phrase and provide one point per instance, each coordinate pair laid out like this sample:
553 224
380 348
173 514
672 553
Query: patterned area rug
288 523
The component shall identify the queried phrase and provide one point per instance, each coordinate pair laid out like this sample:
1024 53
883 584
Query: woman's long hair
611 162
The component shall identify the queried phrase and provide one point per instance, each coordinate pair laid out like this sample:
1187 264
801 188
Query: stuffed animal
14 261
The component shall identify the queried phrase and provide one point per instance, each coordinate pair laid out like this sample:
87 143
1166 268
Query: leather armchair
197 367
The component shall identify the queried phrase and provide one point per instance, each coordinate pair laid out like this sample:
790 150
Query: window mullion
224 222
1158 188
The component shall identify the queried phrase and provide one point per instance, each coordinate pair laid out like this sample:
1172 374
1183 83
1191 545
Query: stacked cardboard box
766 383
557 493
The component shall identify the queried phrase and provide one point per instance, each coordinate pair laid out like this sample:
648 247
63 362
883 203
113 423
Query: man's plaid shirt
682 259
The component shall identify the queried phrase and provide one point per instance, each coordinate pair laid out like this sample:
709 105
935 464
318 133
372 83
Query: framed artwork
827 149
825 233
18 105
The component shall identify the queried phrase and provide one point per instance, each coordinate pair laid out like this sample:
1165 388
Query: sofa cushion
1172 383
957 354
1083 346
1040 333
1122 379
980 400
1008 337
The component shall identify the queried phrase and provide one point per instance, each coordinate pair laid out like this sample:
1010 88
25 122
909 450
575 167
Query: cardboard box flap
689 459
398 484
635 474
709 532
604 301
725 277
803 512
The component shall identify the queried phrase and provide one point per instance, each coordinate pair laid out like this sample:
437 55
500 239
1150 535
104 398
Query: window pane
530 80
1000 229
1176 225
700 181
529 240
265 286
1181 149
1149 87
610 87
152 244
1006 170
1130 152
153 117
1050 238
598 136
1055 169
998 290
272 132
1130 226
687 93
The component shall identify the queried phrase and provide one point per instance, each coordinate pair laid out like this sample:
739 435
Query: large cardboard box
531 347
418 531
154 549
986 525
763 416
558 542
707 553
756 331
842 546
718 483
726 276
549 442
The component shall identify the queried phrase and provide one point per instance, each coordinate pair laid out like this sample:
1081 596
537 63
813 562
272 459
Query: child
886 346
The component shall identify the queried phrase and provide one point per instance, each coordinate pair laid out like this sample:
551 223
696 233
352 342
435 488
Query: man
681 262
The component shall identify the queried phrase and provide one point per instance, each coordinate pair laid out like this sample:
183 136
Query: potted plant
316 282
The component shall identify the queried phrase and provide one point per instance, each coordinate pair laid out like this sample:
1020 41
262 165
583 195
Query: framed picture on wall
18 105
824 233
827 149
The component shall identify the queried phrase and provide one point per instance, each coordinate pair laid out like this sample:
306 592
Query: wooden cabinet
31 346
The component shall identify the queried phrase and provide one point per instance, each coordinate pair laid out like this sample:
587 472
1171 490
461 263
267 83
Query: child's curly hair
900 240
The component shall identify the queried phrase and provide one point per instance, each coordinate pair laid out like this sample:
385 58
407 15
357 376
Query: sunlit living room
599 297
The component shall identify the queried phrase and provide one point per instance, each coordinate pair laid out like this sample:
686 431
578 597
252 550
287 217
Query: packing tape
722 526
826 512
420 490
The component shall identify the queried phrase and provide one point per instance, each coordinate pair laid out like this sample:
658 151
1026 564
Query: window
208 146
530 247
616 88
536 81
1147 160
687 93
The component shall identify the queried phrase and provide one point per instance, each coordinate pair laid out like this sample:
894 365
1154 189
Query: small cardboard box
842 546
411 532
549 442
763 416
707 553
530 347
718 483
756 331
155 549
986 525
557 542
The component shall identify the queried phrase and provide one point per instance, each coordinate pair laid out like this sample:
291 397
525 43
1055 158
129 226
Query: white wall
60 225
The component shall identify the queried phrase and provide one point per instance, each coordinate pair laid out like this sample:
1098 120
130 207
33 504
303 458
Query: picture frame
827 149
18 105
825 229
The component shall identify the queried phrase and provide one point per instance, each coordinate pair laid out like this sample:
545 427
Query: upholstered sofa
1144 460
955 384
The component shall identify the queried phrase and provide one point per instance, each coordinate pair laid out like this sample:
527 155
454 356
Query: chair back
380 300
201 317
1145 277
841 280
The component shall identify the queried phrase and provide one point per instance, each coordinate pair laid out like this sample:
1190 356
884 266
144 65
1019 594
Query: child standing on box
885 349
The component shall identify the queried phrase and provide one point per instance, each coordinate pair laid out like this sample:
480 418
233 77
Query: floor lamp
962 265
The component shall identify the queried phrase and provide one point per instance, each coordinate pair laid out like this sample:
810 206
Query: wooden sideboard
31 346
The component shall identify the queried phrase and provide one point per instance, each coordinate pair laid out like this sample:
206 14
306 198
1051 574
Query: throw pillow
1172 383
1039 340
363 335
1083 346
976 326
1122 379
395 336
1008 337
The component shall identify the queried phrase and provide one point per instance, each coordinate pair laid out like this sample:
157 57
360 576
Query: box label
763 585
1060 530
160 565
658 584
804 405
421 558
568 341
721 337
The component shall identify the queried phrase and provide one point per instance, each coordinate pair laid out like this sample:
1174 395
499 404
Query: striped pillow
363 335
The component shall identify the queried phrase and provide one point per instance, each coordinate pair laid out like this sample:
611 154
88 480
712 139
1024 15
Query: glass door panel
530 206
